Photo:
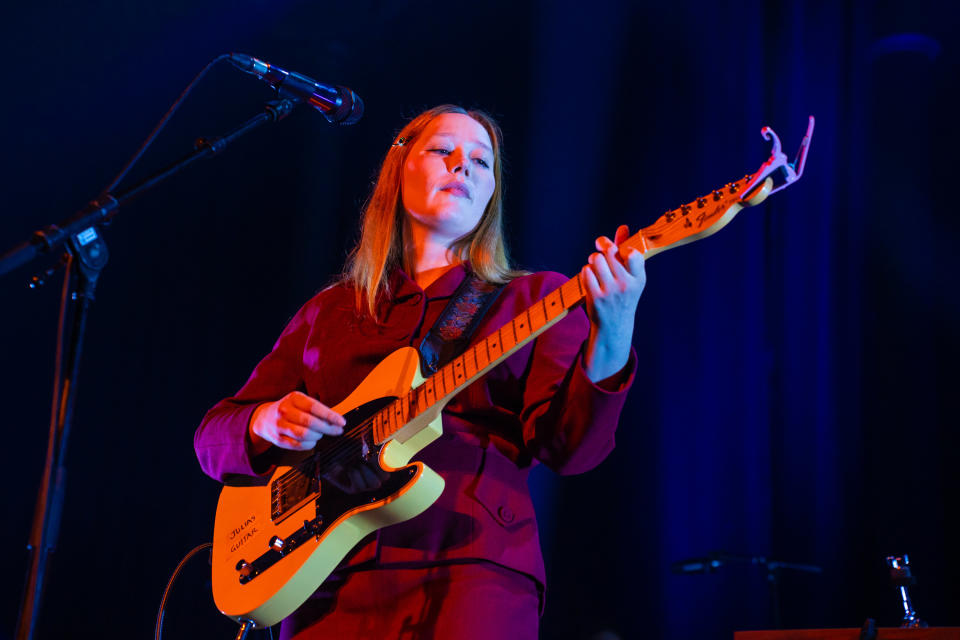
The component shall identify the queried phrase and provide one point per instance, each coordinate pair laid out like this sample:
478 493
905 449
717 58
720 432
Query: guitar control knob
701 202
277 543
717 194
244 571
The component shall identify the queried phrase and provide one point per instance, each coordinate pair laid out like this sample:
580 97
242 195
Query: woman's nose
458 162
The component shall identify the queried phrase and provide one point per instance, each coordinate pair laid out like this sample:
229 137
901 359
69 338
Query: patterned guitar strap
451 333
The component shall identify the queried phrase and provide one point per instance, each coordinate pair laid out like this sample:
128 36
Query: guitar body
316 521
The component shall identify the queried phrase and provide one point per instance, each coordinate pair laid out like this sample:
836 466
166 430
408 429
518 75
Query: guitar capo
777 165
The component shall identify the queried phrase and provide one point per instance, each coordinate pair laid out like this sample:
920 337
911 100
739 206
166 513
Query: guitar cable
158 629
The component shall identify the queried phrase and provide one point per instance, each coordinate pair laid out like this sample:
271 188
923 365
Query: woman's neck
428 255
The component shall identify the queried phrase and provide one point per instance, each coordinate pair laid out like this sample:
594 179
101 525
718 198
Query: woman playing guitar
469 566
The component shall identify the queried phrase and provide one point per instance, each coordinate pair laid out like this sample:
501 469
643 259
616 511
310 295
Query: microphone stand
84 258
717 559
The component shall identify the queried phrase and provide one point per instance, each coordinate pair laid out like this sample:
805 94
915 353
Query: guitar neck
689 222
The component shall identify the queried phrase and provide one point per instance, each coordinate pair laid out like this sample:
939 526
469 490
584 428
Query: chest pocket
501 489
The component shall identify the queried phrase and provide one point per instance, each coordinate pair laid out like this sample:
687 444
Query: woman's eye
441 151
483 163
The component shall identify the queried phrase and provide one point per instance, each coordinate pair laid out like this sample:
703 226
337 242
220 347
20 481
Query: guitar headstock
710 213
700 218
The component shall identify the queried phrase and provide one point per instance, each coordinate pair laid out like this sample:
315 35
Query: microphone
339 105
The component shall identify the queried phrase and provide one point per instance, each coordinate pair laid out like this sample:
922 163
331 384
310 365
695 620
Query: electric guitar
275 543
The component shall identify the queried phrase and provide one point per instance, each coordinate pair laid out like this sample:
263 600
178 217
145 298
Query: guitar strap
451 333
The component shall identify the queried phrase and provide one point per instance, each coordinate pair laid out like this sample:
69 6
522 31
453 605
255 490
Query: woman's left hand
613 286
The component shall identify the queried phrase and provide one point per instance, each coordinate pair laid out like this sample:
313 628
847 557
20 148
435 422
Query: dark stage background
793 399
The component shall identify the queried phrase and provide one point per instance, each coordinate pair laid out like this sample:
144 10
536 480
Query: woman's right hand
296 421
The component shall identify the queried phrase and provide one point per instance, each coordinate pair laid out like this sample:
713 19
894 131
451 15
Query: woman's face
447 179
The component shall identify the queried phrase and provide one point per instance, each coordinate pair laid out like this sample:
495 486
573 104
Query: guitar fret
479 353
506 345
556 299
466 363
450 385
521 331
429 395
533 313
425 402
494 348
391 421
575 293
414 396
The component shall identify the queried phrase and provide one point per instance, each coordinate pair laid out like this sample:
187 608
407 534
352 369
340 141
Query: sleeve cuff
618 383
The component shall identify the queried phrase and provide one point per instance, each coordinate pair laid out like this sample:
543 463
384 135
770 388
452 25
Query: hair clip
400 142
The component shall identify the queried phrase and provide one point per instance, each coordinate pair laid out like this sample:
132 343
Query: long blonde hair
380 249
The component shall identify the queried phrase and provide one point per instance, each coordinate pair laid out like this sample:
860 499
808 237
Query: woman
470 565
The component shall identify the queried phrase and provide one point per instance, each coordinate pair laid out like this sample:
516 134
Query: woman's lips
457 189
